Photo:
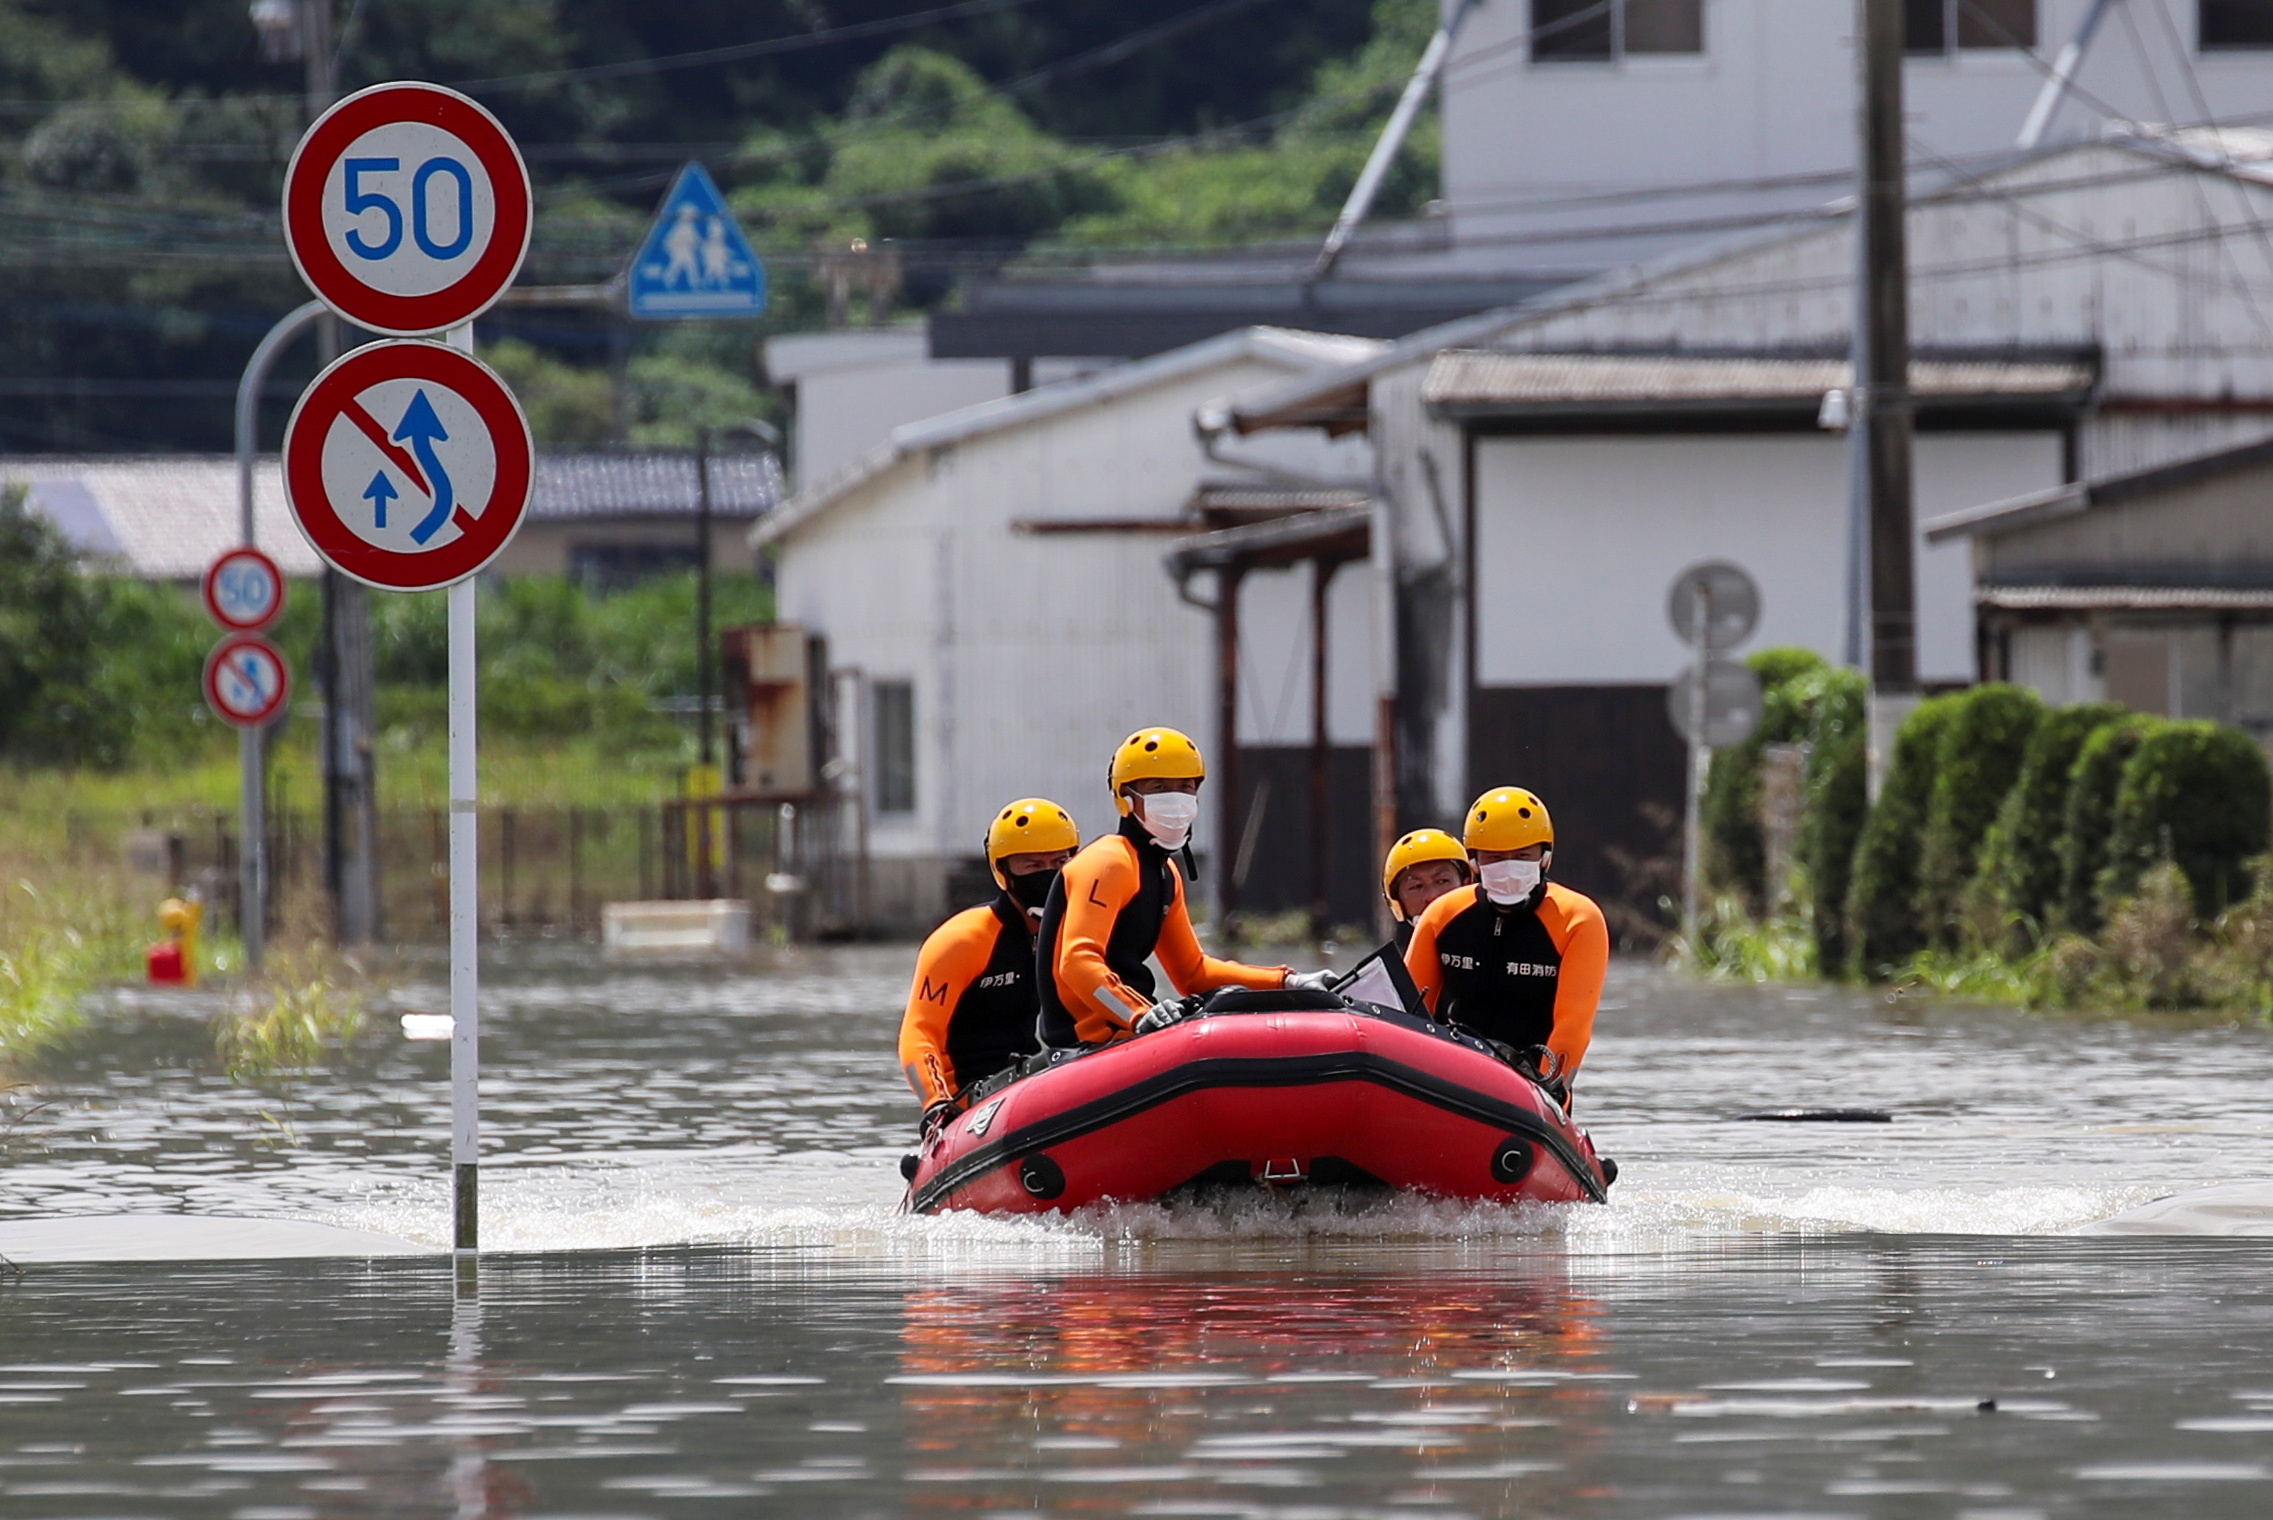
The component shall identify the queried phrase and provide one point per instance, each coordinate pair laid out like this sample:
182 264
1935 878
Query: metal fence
545 871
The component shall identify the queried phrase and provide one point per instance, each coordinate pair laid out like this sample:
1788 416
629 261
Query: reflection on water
722 1311
1854 1375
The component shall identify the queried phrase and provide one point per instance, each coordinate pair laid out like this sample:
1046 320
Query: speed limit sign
406 208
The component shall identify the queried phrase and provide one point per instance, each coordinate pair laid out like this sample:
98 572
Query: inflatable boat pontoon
1268 1089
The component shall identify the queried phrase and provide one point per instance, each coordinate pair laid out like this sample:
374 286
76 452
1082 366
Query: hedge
1837 798
2088 820
2198 795
2020 860
1980 757
1883 927
1736 851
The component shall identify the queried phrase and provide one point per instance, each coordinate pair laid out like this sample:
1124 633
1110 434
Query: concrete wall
1579 539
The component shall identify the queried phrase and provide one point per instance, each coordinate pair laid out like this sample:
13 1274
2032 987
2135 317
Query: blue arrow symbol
420 428
379 493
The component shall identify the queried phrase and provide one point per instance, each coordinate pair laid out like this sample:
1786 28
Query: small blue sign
695 262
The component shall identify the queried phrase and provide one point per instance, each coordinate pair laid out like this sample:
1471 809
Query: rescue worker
1422 867
971 1006
1515 958
1121 901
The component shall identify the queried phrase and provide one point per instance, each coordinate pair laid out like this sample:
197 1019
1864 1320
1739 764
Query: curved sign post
408 465
246 683
407 209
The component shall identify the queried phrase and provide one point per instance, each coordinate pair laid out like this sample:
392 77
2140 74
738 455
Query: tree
1883 926
50 630
1981 752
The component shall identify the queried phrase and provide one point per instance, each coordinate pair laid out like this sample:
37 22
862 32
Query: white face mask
1168 817
1508 882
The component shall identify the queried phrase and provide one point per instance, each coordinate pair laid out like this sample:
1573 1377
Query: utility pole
1882 380
344 664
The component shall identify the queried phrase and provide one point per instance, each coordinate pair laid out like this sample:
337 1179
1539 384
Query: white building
1579 136
990 587
2091 312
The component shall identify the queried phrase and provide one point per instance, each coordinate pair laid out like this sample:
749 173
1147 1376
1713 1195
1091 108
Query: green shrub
1736 852
1883 926
2020 860
1982 745
2089 818
1836 784
2197 795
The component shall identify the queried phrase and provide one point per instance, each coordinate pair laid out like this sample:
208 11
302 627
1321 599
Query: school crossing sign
408 465
695 262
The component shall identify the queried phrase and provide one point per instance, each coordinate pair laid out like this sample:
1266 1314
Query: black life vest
1501 970
993 1022
1136 931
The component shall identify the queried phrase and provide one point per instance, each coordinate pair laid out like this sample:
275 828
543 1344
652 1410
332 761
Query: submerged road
722 1312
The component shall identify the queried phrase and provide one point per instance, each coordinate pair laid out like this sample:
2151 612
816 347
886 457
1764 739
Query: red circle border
283 685
407 359
320 266
213 603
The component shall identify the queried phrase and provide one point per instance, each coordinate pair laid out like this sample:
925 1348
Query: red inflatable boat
1266 1089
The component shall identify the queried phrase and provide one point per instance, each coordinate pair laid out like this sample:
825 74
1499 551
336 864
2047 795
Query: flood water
703 1301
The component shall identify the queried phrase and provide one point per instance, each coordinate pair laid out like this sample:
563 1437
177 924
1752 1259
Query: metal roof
1993 518
1471 382
1323 399
166 516
2126 598
1302 351
1334 533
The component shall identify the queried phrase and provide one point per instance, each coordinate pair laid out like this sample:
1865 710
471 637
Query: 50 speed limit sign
406 209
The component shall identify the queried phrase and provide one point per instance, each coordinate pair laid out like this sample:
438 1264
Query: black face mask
1032 890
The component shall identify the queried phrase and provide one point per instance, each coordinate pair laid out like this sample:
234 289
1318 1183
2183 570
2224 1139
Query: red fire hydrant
173 960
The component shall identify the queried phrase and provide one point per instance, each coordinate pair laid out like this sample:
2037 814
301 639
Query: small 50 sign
406 209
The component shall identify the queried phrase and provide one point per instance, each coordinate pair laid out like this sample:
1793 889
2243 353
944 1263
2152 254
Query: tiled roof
166 516
2126 598
1482 377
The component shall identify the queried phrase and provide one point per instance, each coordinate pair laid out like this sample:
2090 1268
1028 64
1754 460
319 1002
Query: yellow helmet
1416 847
1508 818
1155 752
1029 826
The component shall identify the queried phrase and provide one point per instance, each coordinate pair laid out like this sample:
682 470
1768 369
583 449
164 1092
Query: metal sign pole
1692 853
252 792
465 922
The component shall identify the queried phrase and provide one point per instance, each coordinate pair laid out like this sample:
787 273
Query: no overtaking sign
408 465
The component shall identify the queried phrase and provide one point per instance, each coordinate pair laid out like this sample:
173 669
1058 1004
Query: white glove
1159 1016
1310 981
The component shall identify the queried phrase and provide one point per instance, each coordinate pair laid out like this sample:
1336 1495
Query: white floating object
428 1026
714 926
187 1237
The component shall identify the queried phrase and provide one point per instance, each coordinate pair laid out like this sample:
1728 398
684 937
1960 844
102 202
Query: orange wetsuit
1119 902
971 1005
1530 974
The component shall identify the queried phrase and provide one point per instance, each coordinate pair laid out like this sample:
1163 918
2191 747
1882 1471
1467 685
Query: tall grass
60 936
1730 945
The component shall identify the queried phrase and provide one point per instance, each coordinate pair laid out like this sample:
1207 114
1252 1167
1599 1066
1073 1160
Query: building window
1581 31
895 746
2235 24
1935 26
